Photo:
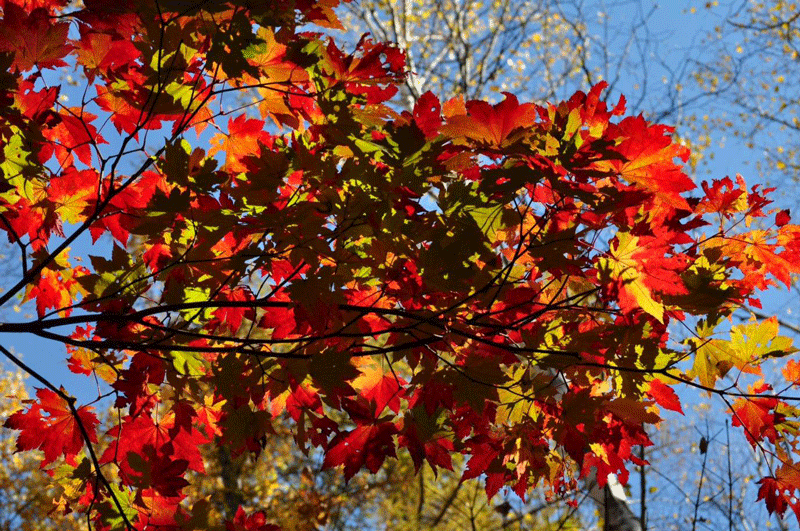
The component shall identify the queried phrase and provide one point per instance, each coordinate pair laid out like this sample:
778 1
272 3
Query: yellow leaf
756 341
712 356
514 406
749 345
623 267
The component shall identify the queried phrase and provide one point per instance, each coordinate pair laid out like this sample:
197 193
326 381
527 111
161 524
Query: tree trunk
229 472
613 503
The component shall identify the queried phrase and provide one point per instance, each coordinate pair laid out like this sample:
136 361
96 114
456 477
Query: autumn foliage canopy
276 241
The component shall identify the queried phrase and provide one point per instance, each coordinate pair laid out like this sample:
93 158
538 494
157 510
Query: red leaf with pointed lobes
436 451
490 125
371 65
639 270
483 454
428 114
153 470
72 192
758 418
133 383
123 110
241 139
760 255
302 398
649 154
722 197
75 135
231 317
594 111
782 218
49 425
773 494
157 257
791 371
665 396
132 199
255 522
103 53
385 392
32 222
281 320
37 104
365 446
779 492
35 38
79 365
50 292
166 439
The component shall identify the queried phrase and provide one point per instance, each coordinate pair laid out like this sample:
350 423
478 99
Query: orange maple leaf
494 126
240 140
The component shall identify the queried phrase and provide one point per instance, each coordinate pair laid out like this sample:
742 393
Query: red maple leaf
123 110
167 436
133 198
368 445
231 317
649 154
75 135
49 425
36 104
36 39
242 138
721 196
386 391
158 471
101 52
157 257
779 491
371 65
50 292
428 114
436 451
665 396
758 417
255 522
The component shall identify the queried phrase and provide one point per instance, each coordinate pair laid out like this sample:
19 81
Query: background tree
296 489
541 51
752 48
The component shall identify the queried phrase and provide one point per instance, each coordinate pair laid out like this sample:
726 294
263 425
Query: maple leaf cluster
497 281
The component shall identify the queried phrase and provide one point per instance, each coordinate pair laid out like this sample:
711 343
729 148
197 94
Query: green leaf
488 218
189 363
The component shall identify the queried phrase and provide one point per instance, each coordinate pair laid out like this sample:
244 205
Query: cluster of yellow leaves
749 345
